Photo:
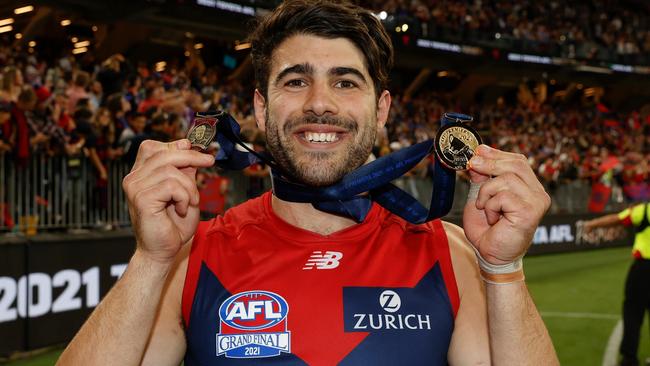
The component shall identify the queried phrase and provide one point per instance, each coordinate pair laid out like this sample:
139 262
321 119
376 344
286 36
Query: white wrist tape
473 191
487 267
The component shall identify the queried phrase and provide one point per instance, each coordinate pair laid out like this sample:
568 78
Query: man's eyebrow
340 71
297 69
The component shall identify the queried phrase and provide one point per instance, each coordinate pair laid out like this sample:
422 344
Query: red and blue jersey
259 291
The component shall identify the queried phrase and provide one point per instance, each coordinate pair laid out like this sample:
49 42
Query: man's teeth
321 137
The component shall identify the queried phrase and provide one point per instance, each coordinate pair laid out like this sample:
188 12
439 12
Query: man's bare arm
518 335
163 205
166 344
504 208
117 331
470 325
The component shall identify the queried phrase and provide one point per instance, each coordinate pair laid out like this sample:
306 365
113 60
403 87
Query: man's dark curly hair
328 19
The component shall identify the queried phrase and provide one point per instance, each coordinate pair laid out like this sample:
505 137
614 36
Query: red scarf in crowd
22 136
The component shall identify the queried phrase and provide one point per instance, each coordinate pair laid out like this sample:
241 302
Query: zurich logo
253 310
390 301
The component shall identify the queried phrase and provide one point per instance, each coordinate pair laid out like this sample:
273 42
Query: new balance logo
320 260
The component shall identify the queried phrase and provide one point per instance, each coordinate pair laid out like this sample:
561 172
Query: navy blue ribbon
348 197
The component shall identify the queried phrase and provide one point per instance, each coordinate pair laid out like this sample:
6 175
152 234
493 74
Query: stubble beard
319 168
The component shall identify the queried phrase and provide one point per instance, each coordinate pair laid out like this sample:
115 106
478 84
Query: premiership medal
456 142
203 131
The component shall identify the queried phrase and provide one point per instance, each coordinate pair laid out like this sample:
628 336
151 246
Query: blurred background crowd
599 29
80 105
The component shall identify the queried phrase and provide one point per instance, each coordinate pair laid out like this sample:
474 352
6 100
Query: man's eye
295 83
345 84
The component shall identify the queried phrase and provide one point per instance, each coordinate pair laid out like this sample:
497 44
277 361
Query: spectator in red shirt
20 135
5 115
153 98
59 112
5 146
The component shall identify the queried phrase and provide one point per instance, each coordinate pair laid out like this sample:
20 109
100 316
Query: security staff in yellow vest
637 285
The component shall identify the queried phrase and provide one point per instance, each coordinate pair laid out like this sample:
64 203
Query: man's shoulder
463 259
458 243
252 211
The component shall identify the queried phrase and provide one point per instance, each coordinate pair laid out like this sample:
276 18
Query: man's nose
320 100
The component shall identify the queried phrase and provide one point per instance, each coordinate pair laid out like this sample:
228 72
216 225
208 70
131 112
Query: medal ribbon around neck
348 196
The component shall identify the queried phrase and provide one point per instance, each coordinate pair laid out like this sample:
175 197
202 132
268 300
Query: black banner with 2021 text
50 284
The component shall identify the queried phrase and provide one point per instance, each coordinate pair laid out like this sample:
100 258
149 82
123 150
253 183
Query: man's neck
305 216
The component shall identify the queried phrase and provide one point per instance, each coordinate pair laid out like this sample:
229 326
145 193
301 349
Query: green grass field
579 295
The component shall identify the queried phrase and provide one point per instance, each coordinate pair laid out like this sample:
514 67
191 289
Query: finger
150 147
162 173
492 216
190 172
154 200
493 211
476 177
177 158
496 167
166 195
181 159
503 204
492 153
507 182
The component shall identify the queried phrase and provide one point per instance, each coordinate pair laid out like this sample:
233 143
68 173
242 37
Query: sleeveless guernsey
259 291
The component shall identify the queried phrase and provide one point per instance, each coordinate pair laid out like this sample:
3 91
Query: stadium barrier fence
64 193
60 193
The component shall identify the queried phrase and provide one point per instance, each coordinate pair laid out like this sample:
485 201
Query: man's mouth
320 135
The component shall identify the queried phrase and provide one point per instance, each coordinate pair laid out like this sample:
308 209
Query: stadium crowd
563 143
104 110
602 30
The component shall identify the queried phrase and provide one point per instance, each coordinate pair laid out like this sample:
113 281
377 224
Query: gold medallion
455 145
202 132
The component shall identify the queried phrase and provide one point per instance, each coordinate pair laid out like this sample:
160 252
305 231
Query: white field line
611 351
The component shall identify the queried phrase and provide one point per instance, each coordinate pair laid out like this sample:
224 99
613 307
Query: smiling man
322 113
279 282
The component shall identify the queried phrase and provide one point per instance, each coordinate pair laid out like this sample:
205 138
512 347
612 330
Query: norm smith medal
202 132
455 145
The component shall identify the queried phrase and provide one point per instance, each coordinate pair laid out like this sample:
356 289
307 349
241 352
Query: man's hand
502 220
163 197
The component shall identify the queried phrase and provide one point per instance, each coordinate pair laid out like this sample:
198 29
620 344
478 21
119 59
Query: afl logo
253 310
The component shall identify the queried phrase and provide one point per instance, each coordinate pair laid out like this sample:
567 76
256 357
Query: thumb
476 180
476 177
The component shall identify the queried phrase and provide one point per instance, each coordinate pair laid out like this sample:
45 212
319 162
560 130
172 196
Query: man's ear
259 104
383 107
